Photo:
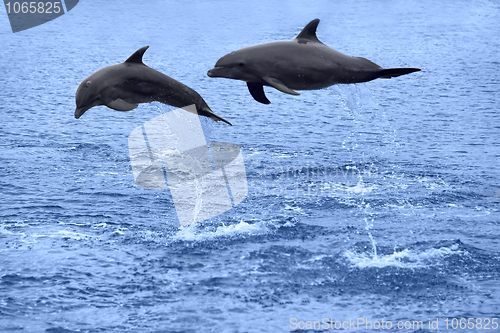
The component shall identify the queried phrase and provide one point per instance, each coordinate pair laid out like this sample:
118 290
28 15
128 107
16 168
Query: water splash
241 229
405 258
374 243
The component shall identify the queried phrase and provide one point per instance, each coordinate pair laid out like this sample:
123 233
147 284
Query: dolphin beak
81 110
213 72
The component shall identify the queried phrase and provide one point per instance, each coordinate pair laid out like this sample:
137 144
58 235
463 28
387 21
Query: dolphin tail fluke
208 113
394 72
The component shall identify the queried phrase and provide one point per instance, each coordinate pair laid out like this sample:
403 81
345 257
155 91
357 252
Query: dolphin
123 86
303 63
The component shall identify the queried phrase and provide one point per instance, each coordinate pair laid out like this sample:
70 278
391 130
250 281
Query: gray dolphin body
122 87
303 63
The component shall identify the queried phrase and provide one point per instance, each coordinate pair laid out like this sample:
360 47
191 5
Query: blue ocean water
393 216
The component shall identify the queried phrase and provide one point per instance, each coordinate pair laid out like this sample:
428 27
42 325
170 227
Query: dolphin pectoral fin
275 83
257 92
121 105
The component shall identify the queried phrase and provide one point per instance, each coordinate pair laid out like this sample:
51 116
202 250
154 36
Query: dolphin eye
241 64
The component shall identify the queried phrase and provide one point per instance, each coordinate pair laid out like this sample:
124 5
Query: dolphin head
87 96
235 65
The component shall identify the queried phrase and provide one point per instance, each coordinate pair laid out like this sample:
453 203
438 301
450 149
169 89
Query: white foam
296 209
361 188
5 231
191 233
403 259
63 234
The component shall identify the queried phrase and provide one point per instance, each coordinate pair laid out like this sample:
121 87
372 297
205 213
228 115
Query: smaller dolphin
122 87
303 63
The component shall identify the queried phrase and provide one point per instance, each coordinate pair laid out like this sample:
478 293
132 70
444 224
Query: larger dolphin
303 63
122 87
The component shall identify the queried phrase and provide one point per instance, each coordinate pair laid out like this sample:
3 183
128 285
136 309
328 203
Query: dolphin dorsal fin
137 56
309 31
